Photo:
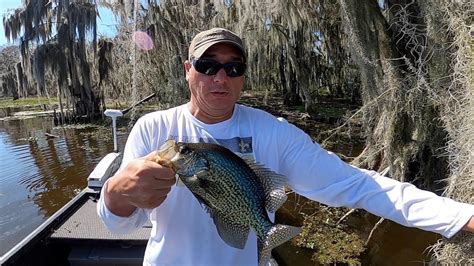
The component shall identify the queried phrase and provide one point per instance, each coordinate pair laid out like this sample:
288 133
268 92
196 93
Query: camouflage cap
205 39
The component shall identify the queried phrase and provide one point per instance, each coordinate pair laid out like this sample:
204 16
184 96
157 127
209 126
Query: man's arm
320 175
470 225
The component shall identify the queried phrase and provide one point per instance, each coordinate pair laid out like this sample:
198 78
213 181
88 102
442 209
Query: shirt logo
238 145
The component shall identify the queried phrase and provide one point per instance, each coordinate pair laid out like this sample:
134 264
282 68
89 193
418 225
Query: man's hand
143 183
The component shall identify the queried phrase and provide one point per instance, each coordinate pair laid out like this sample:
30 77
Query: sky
105 24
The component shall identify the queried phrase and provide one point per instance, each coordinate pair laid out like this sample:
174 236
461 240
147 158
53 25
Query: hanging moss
417 92
64 53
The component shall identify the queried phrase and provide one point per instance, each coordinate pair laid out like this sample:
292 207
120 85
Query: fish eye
184 150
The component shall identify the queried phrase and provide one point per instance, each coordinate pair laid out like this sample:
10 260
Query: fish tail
275 236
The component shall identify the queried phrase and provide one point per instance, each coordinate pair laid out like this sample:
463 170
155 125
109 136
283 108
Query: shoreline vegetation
329 235
29 103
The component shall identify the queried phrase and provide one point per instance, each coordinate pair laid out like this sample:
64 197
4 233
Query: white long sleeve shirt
184 234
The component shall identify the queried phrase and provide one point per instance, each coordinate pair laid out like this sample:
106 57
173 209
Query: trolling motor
111 162
113 113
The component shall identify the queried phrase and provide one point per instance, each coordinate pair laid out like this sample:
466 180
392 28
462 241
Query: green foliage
332 110
331 243
22 102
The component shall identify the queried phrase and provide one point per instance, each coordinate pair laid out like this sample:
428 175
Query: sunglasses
210 67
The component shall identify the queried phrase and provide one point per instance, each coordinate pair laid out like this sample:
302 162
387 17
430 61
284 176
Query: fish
236 192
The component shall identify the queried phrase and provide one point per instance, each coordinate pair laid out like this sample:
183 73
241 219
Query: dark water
38 176
390 244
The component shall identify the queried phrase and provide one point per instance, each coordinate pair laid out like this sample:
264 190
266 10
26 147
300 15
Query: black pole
124 111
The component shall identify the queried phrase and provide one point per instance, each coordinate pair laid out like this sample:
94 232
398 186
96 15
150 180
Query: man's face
215 95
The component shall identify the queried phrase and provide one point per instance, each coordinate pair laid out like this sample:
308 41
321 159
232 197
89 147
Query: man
183 233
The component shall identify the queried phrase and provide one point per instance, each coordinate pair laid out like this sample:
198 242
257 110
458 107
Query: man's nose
221 76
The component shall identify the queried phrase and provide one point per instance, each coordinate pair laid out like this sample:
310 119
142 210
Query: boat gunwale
46 228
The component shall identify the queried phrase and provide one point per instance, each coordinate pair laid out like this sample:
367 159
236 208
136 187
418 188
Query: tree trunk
400 130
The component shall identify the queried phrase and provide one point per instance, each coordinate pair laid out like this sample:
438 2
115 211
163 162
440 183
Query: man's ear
187 67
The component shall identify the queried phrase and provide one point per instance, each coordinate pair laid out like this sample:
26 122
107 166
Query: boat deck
93 244
85 224
76 236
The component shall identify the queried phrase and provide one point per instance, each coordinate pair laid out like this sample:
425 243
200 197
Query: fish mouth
168 153
168 150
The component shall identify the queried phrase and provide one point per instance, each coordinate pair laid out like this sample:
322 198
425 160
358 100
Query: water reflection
7 111
39 174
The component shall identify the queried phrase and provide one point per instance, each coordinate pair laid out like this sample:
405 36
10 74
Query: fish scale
244 194
236 193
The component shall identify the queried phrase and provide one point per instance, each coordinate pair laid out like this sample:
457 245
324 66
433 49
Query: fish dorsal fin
232 233
273 184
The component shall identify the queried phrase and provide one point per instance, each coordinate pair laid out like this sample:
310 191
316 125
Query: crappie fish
236 193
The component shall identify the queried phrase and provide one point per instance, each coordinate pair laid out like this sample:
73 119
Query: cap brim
201 50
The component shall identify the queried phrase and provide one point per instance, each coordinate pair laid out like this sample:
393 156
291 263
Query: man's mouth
221 93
